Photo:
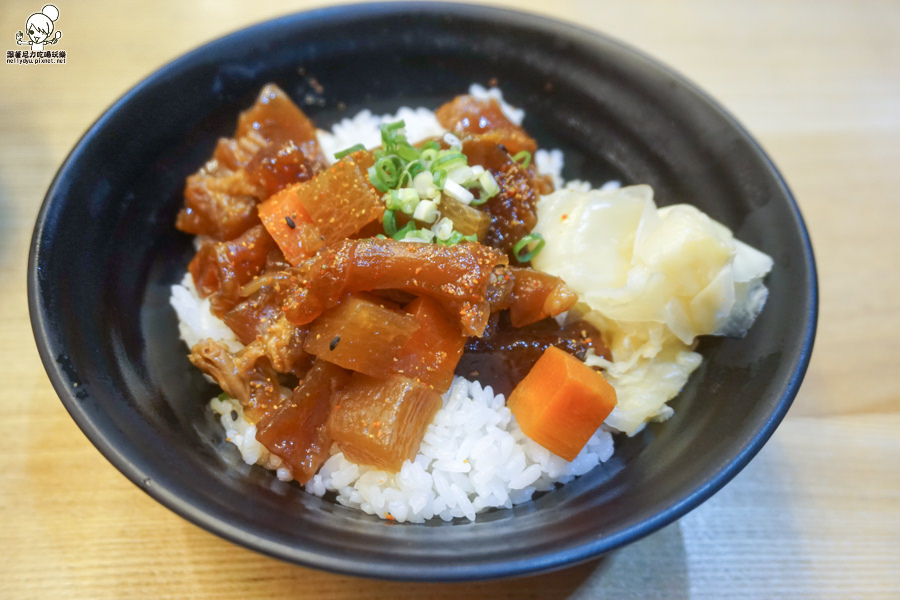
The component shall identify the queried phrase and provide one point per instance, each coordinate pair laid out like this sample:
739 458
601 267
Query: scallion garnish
523 158
389 222
347 151
533 242
401 233
413 181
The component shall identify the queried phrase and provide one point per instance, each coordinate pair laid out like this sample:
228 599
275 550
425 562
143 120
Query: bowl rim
502 568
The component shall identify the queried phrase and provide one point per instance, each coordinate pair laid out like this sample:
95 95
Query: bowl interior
105 252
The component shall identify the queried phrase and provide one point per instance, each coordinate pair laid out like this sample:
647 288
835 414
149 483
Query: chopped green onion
458 192
534 242
452 141
389 222
488 184
456 237
375 179
523 158
407 152
443 229
431 145
448 162
408 198
426 211
393 126
462 175
388 171
401 233
347 151
451 239
424 236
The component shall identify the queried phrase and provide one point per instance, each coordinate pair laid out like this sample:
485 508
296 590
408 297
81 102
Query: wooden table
816 514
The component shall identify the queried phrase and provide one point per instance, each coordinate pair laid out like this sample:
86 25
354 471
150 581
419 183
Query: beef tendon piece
381 422
467 115
505 354
220 204
361 334
456 276
285 163
252 316
297 431
275 118
528 294
275 145
247 376
220 269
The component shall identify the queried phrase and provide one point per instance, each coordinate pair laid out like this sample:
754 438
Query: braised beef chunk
275 118
283 344
220 205
220 269
466 115
513 211
252 316
275 145
505 354
285 163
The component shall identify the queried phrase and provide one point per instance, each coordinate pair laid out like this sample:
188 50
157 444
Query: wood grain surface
816 514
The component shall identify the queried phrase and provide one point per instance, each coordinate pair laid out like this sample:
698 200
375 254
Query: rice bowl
124 379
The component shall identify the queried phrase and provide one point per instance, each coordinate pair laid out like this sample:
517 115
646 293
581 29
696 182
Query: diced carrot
433 350
362 334
287 221
381 422
561 402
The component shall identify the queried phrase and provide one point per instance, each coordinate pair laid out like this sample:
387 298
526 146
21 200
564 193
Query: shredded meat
247 375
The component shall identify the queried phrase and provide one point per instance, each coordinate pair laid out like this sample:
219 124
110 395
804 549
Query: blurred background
816 514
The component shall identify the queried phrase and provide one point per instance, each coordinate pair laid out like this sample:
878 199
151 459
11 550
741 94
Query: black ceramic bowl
105 252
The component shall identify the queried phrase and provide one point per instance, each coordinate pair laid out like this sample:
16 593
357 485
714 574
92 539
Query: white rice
474 455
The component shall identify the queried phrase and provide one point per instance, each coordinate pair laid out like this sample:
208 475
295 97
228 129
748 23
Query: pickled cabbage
652 279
